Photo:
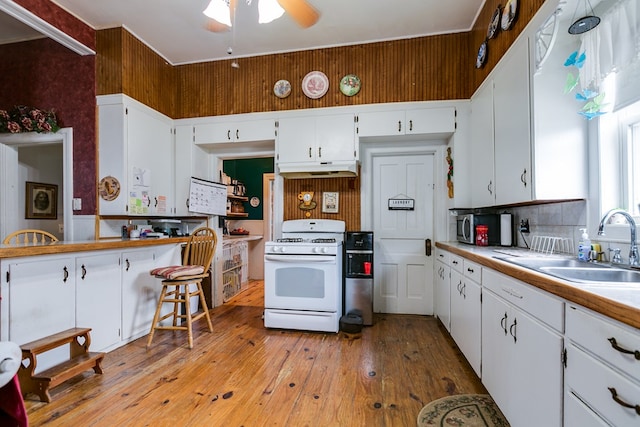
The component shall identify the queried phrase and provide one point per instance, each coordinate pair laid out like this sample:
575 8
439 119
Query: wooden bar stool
176 282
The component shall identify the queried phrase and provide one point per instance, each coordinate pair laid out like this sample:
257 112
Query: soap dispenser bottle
584 246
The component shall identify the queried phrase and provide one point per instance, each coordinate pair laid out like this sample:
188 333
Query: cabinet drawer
473 271
443 255
456 262
594 333
544 307
576 413
591 381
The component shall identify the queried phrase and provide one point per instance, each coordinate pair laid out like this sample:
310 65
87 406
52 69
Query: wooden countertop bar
619 302
15 251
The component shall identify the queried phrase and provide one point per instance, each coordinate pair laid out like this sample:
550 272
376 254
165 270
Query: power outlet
77 204
524 225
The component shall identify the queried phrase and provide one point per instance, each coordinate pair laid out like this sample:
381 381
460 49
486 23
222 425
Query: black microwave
466 227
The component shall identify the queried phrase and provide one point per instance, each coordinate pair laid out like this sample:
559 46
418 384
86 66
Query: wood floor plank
243 374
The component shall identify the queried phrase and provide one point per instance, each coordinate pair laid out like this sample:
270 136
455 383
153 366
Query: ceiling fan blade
301 12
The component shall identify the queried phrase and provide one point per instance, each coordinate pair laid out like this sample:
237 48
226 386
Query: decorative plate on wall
109 188
509 14
494 24
482 55
315 84
350 85
282 88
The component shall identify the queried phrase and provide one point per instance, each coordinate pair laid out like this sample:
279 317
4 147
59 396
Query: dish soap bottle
584 246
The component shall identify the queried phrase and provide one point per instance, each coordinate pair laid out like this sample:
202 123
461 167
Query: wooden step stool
80 360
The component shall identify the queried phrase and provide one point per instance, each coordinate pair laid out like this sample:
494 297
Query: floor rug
468 410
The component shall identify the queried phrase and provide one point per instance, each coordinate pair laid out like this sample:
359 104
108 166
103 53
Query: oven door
302 282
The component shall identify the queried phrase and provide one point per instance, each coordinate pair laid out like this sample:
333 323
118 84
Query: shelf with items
235 277
240 198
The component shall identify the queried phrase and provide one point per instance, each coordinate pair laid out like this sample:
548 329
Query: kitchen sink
589 275
576 271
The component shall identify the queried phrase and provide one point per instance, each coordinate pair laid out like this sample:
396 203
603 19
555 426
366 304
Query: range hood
319 170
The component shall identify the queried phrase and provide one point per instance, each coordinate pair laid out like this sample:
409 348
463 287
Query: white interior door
403 282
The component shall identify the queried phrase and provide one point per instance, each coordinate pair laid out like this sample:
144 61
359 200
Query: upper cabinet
528 142
223 131
190 160
135 158
406 122
309 143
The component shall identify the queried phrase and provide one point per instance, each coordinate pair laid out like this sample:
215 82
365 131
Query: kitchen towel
506 229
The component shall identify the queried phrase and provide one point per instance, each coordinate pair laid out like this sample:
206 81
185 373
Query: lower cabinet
465 314
98 297
442 286
521 364
109 291
602 379
140 292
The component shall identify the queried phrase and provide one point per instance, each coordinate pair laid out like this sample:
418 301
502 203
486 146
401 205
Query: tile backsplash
562 219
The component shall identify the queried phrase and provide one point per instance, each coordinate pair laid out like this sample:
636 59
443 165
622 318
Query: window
630 146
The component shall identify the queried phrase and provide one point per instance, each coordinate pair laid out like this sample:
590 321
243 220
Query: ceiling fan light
220 11
268 11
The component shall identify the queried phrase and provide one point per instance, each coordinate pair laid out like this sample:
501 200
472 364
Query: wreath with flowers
28 119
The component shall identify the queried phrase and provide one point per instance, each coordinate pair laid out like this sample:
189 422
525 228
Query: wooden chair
176 282
29 236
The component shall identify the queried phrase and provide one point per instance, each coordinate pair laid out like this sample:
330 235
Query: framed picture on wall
330 202
41 201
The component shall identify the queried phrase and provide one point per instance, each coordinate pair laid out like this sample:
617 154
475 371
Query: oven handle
298 258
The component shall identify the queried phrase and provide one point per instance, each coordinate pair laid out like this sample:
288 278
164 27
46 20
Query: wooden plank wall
421 69
348 199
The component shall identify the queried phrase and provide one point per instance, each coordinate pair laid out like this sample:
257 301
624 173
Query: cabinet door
254 130
465 317
42 297
443 293
521 363
150 159
212 133
190 160
482 167
513 128
430 120
296 140
98 291
381 123
335 138
112 155
140 292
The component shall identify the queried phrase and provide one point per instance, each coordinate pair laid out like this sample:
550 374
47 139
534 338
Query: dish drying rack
551 245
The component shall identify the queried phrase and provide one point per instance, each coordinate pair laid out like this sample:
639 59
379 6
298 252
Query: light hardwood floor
245 375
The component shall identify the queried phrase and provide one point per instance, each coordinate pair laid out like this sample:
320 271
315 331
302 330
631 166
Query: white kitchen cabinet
225 130
41 298
316 139
190 160
442 288
135 148
406 122
483 191
466 309
512 130
140 292
521 355
602 369
98 297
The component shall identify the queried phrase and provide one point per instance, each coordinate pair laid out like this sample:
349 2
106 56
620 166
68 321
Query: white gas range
303 276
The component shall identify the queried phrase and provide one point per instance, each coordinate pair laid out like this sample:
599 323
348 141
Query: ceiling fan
222 12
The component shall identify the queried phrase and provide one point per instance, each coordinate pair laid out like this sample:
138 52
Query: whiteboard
207 197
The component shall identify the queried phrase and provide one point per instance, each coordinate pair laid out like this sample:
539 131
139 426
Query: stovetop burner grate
290 240
323 240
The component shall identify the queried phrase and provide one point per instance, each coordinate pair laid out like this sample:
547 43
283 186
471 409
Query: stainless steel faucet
633 249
